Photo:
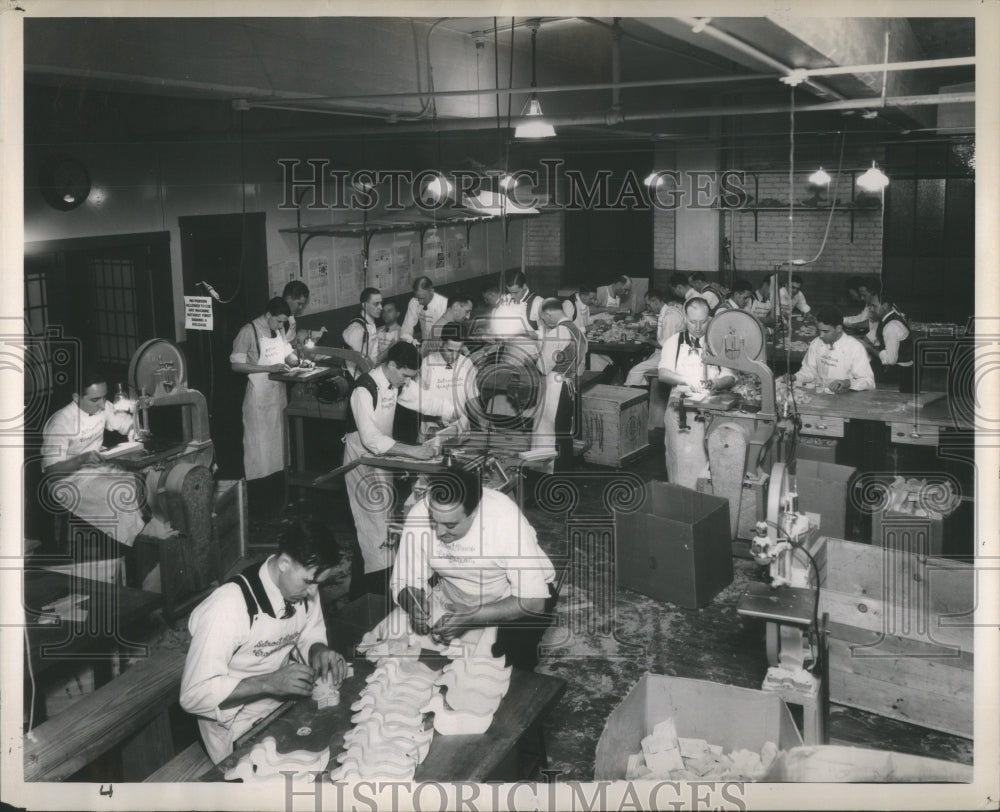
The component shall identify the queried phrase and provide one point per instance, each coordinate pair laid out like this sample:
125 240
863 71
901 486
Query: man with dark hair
739 299
373 407
520 306
680 286
360 334
681 367
448 372
423 310
260 638
388 333
584 299
458 312
711 292
490 293
562 355
793 299
489 567
857 294
259 349
296 295
669 320
81 480
889 341
834 361
761 302
613 297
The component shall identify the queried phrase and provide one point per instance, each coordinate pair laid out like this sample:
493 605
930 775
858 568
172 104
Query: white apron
686 457
370 492
268 649
263 414
105 496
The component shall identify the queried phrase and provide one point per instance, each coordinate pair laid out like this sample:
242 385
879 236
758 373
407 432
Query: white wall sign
198 313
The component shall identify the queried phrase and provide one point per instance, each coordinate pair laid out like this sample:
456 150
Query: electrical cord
31 679
833 208
815 567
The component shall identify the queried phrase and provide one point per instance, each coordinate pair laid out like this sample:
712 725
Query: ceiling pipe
493 91
616 67
709 30
605 119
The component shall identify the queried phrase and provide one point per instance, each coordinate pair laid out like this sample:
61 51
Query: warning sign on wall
198 313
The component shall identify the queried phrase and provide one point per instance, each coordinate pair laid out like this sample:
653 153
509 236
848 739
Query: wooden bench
131 711
188 765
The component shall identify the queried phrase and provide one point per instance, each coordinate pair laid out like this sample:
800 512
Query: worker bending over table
889 341
739 298
669 320
259 349
711 292
423 310
681 367
762 300
490 570
834 361
296 295
613 298
373 408
794 299
361 334
449 374
99 492
260 638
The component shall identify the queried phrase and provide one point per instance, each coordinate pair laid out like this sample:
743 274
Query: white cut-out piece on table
345 774
450 722
478 670
400 670
263 762
371 740
469 699
367 770
413 720
397 759
326 693
413 691
303 731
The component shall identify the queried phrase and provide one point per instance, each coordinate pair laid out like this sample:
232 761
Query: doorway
229 252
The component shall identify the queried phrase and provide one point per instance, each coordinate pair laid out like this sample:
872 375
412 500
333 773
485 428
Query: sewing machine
175 457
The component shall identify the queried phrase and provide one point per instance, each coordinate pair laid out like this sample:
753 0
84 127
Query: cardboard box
614 424
753 505
676 547
822 488
735 718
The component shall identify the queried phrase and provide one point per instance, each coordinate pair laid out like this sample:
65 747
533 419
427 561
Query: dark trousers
518 641
567 422
902 377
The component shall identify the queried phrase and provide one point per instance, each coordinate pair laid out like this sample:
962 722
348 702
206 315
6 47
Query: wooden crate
900 632
614 424
229 523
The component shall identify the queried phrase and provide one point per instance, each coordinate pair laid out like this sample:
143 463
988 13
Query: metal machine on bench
175 457
738 445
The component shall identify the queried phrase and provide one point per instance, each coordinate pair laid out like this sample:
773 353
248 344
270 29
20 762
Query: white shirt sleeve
892 334
118 421
354 335
244 346
219 626
861 374
808 371
413 566
55 438
410 320
437 403
364 418
863 316
530 572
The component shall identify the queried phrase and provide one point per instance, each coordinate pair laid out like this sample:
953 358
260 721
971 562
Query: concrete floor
605 637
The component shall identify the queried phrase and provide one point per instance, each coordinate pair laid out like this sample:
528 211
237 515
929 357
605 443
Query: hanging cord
791 231
833 206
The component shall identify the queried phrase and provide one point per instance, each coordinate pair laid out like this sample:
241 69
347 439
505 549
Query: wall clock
64 182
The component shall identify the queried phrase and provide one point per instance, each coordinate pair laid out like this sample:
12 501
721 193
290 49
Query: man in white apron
79 480
681 367
369 489
423 310
361 334
259 349
613 298
261 638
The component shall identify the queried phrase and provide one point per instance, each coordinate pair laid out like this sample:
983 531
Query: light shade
874 180
654 179
534 129
820 178
437 190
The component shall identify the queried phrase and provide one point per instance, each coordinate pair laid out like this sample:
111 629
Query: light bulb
820 178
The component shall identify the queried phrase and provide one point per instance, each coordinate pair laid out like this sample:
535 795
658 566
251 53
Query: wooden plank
189 765
933 675
944 713
59 747
871 614
893 645
147 748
